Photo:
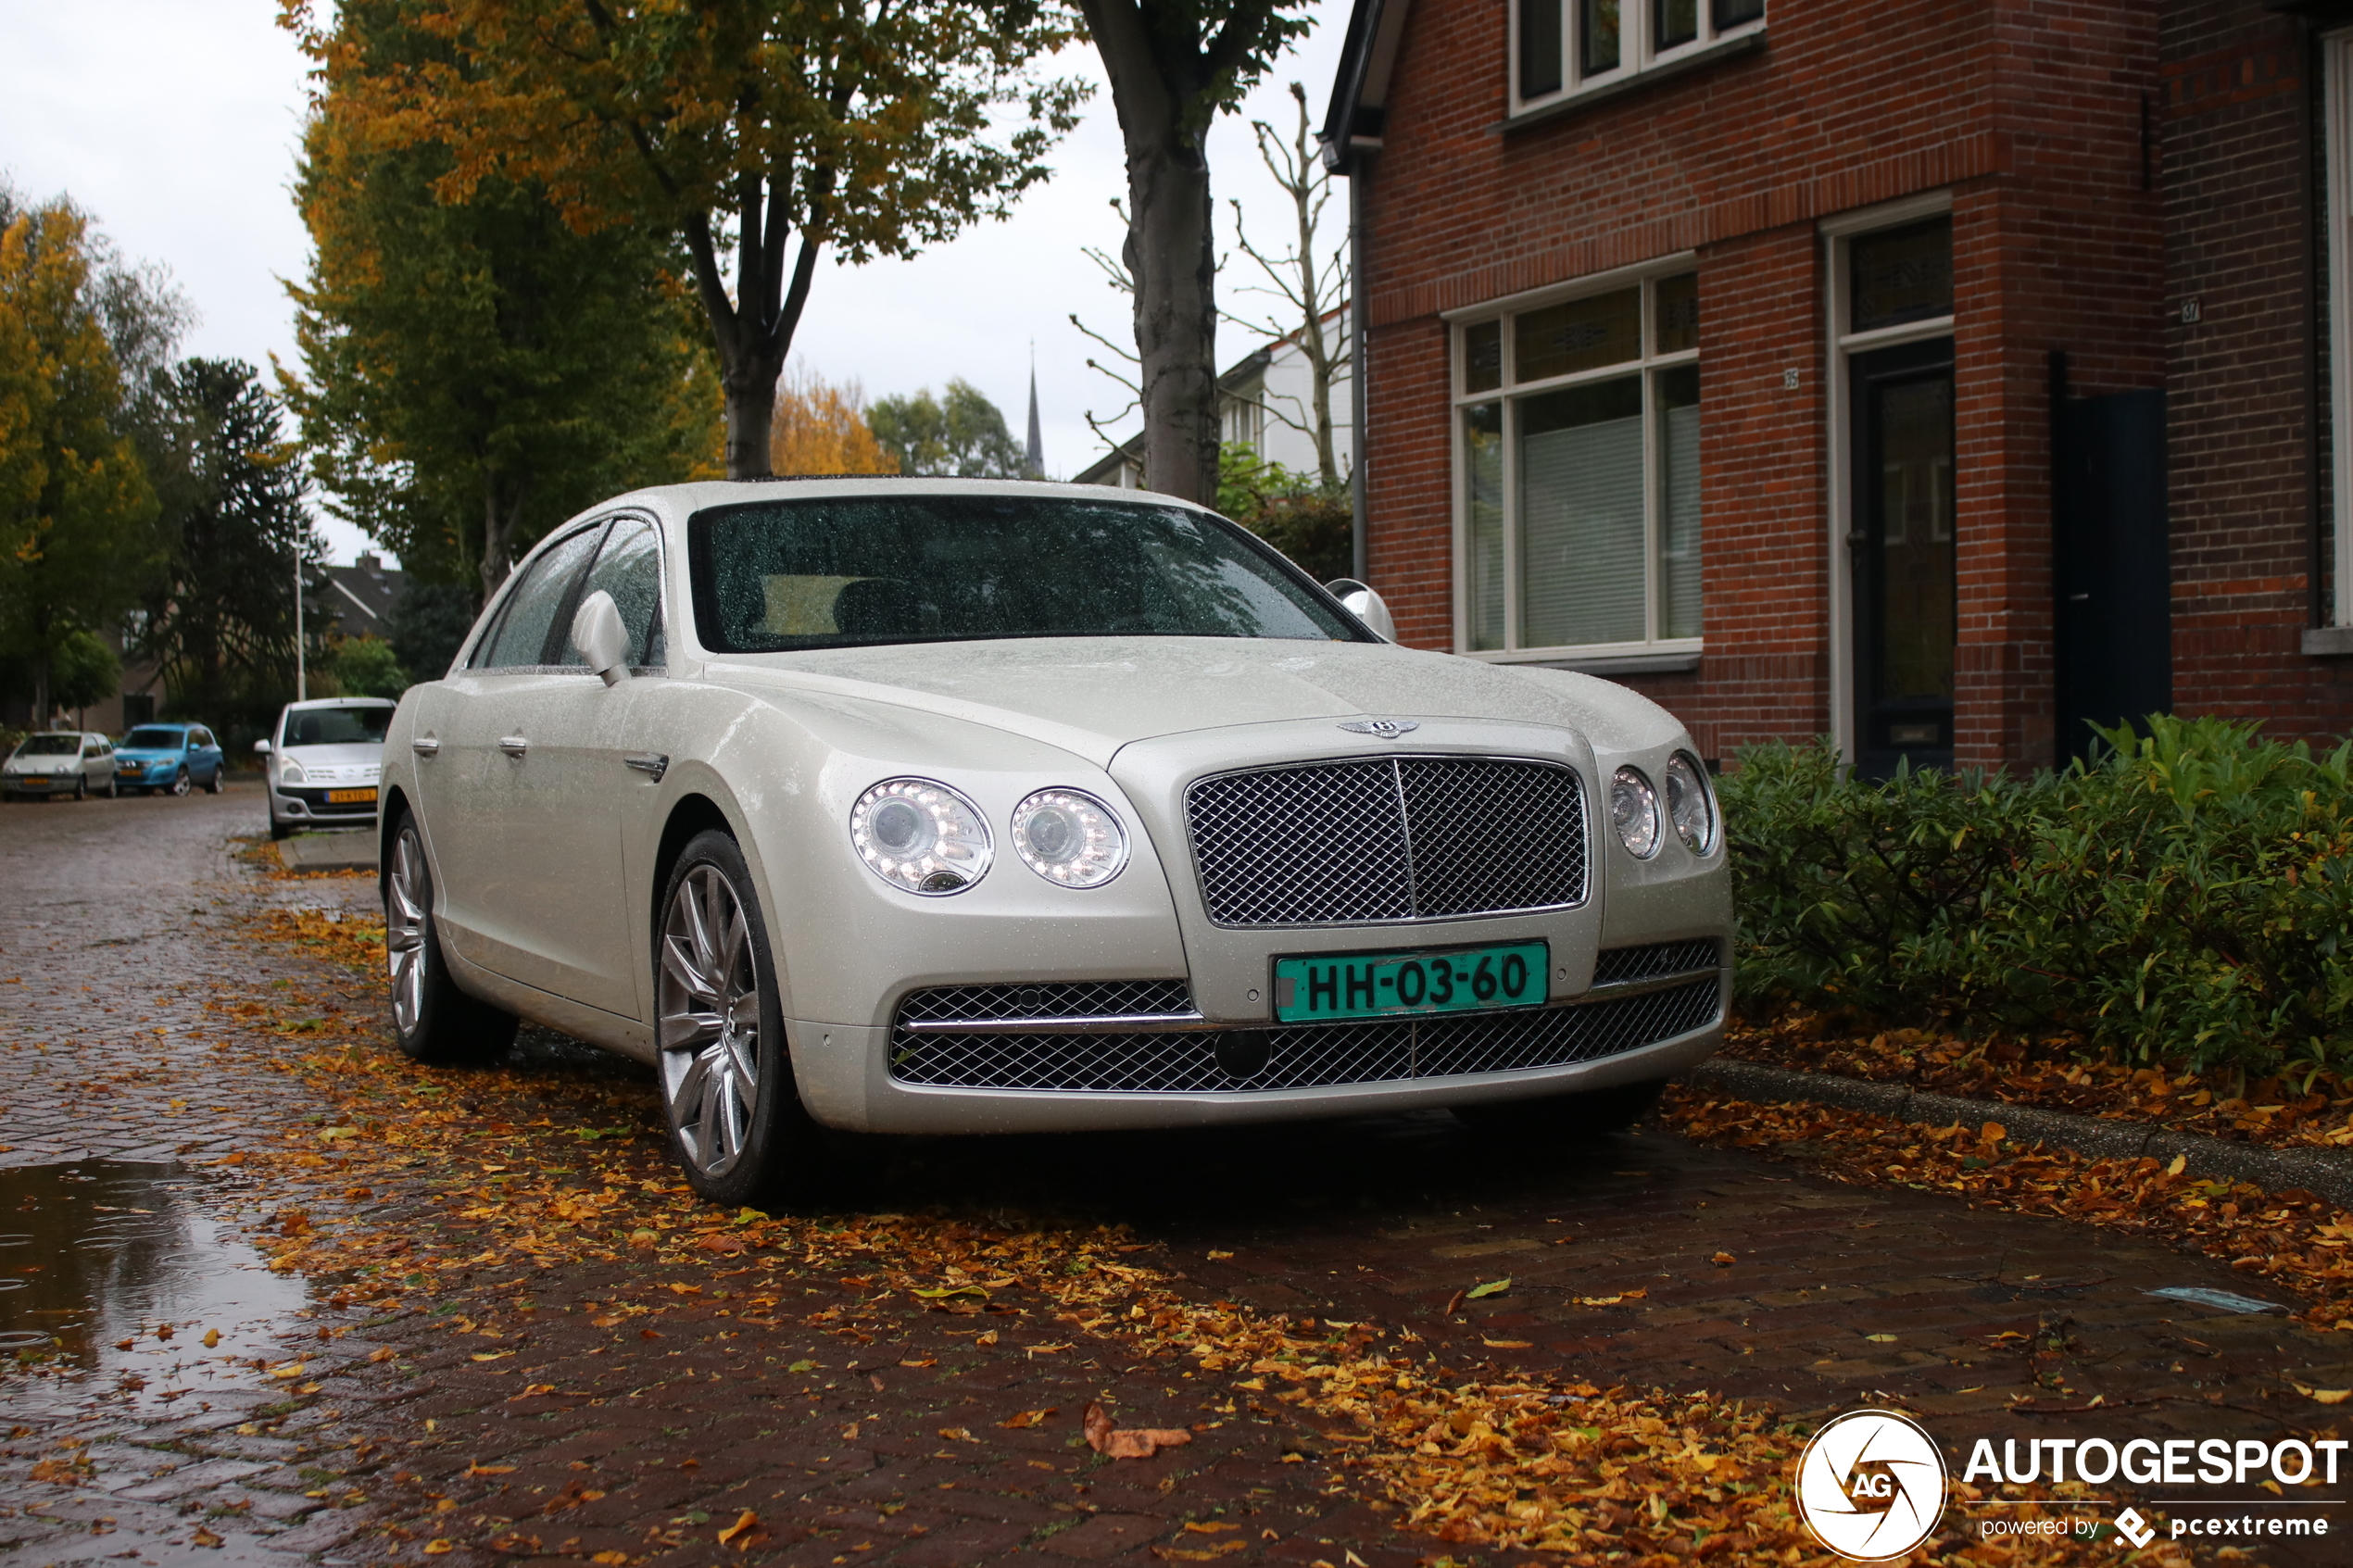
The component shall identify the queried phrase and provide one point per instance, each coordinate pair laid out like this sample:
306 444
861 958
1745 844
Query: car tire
280 830
114 790
737 1124
1592 1114
432 1020
214 785
82 788
180 782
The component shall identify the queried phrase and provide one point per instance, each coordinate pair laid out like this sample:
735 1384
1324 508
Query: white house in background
1266 402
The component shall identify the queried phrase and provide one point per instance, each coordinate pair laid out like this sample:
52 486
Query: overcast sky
175 123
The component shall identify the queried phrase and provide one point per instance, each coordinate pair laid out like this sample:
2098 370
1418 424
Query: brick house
1935 375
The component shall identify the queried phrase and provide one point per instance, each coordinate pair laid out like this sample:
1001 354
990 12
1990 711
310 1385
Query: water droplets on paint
119 1269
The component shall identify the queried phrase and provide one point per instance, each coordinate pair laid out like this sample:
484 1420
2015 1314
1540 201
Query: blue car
170 757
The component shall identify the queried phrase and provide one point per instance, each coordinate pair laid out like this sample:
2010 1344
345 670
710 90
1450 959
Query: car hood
123 754
1092 696
358 754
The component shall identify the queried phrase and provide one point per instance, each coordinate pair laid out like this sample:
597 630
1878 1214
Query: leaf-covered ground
525 1170
2056 1074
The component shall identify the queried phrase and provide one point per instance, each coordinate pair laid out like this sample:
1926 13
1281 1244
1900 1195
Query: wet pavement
1641 1260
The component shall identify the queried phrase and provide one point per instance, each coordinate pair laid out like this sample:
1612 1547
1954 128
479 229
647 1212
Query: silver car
323 761
72 762
935 806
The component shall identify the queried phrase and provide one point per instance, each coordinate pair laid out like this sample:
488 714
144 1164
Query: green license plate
1309 990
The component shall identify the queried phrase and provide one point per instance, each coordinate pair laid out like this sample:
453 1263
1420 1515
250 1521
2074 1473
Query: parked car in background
324 759
71 762
169 759
961 806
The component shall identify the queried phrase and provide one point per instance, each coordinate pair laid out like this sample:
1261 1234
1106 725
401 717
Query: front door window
1904 556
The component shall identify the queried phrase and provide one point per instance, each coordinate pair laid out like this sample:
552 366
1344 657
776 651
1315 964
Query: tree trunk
750 388
1171 254
498 535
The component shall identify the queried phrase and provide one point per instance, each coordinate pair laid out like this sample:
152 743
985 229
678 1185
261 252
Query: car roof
684 499
341 702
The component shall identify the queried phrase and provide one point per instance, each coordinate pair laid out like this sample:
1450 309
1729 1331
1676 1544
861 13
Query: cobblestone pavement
1734 1272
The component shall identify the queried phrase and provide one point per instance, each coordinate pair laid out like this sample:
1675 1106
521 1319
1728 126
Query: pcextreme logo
1871 1485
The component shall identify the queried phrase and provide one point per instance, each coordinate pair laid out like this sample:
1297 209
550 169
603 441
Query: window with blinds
1579 431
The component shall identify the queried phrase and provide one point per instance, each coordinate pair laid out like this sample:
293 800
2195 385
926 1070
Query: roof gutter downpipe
1359 382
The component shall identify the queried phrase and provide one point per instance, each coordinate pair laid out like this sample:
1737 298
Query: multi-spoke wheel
727 1077
432 1018
179 782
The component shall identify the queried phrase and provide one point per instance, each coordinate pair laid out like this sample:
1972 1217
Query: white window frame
1839 346
1635 50
2337 104
1510 395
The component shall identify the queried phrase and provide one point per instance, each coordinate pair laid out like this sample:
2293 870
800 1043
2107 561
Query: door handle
426 747
2077 599
513 746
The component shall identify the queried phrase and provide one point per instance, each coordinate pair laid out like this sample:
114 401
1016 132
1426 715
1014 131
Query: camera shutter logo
1871 1485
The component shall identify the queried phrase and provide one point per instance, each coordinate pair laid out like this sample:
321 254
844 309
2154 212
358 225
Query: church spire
1033 460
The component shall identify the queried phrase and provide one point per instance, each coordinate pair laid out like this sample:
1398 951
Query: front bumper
49 783
298 803
1177 1069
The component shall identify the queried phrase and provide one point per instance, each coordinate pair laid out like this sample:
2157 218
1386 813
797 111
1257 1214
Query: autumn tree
1174 66
220 621
759 131
820 428
474 372
76 509
960 433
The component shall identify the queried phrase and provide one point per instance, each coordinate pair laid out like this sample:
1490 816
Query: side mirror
261 748
1359 601
600 639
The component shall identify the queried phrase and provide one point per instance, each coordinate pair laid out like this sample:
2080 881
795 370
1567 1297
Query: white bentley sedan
912 806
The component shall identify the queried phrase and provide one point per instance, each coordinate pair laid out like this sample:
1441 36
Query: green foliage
367 666
2183 899
220 619
83 669
1309 520
428 625
475 373
961 434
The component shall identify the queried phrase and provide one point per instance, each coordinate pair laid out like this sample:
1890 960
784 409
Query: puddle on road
99 1252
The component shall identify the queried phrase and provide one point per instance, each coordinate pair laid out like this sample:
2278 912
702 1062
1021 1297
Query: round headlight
291 772
919 836
1633 810
1072 840
1690 804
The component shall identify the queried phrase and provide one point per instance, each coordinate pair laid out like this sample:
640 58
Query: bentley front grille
1197 1059
1388 840
1624 966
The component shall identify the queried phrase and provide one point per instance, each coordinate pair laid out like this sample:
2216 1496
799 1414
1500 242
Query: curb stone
343 850
2321 1172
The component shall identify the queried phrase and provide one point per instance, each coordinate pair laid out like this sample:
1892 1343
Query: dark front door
1902 549
2110 565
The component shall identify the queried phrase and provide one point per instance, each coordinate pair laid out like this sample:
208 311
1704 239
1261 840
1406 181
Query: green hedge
2182 900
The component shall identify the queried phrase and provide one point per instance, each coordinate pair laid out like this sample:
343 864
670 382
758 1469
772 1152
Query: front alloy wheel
727 1079
179 782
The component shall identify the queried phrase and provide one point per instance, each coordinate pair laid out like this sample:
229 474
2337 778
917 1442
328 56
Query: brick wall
2236 100
2030 112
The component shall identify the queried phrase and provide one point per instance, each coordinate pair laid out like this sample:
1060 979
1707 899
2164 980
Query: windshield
836 572
152 740
337 726
51 745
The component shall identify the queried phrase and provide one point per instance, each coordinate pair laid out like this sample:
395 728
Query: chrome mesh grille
1091 999
1308 1057
1391 838
1615 966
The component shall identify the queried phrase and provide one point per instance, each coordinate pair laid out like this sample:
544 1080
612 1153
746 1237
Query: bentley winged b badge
1387 729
